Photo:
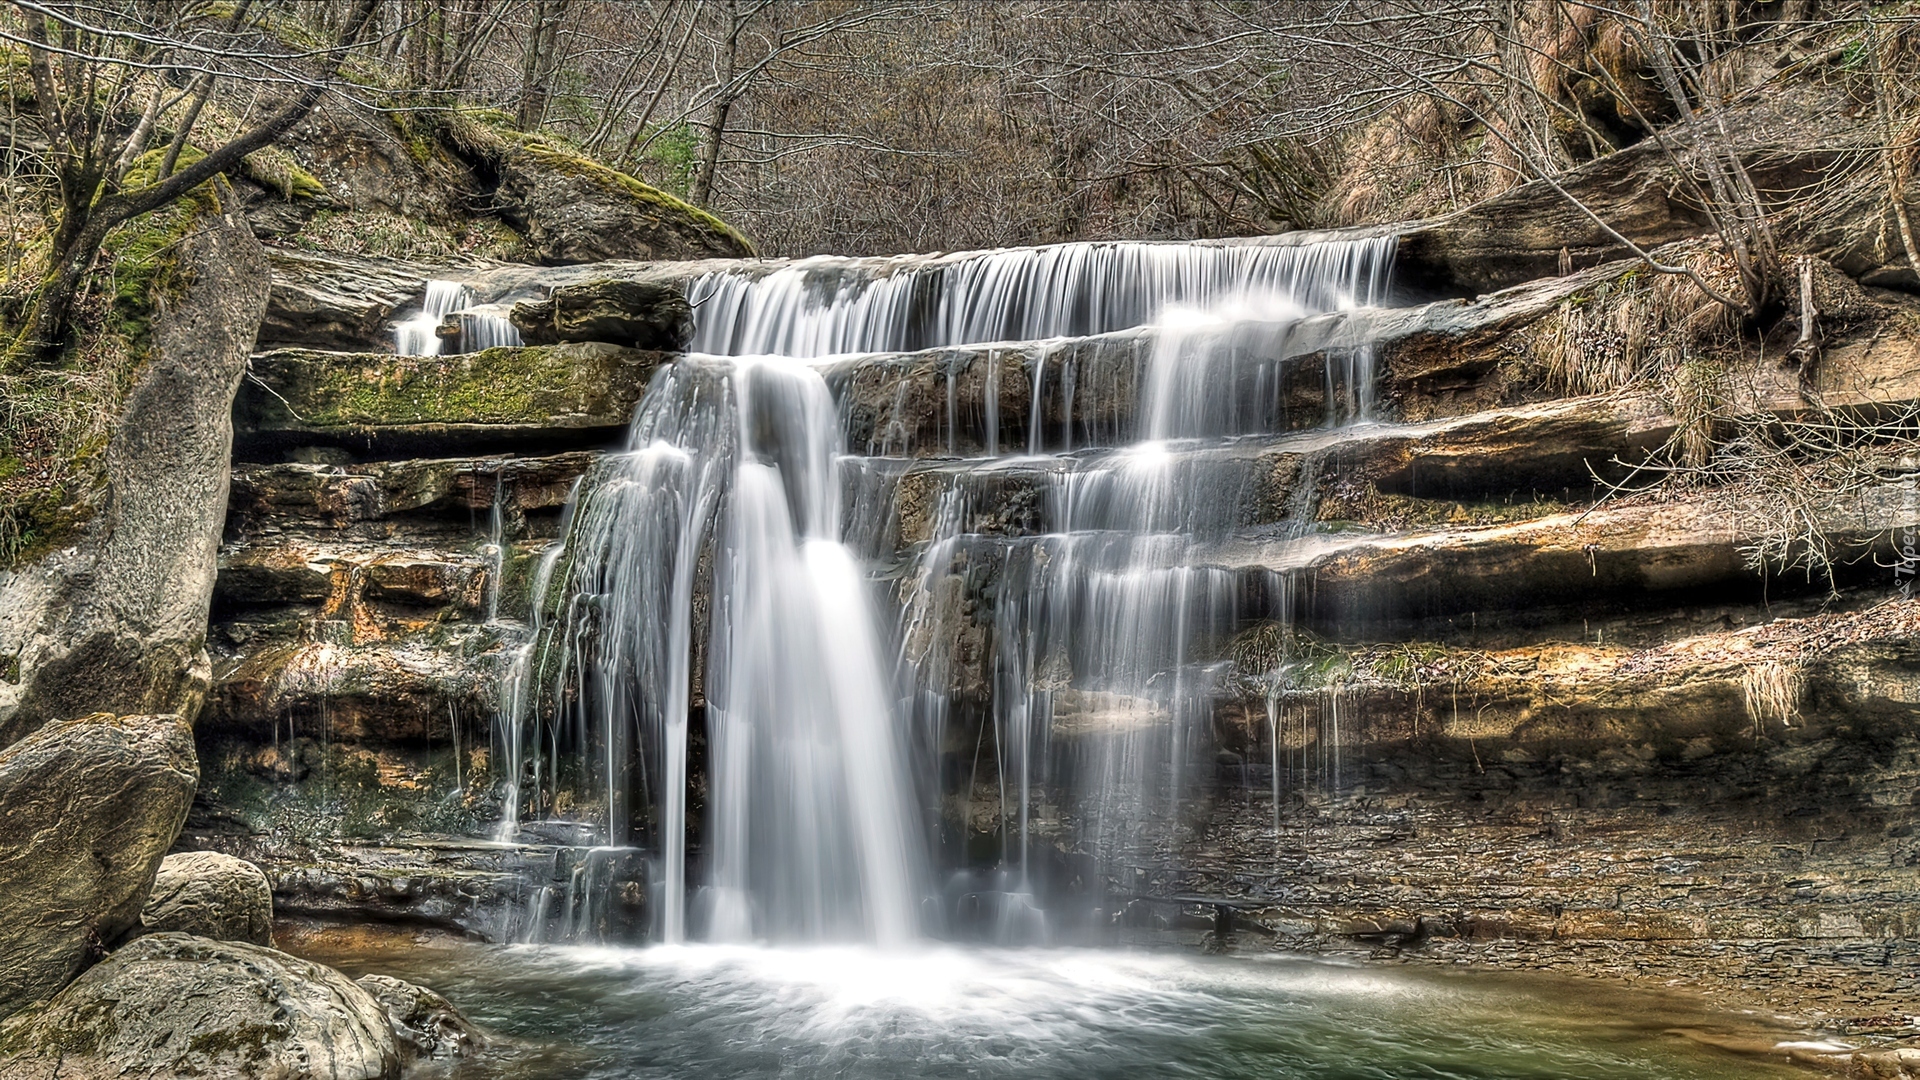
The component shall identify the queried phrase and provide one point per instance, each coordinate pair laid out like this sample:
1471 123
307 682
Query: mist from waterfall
709 658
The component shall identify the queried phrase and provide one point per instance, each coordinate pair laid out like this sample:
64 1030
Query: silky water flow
729 667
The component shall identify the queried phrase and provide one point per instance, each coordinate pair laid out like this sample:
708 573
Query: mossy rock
572 209
559 385
444 402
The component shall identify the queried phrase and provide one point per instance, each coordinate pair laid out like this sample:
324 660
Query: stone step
1631 553
1250 482
330 301
337 576
1615 552
375 405
309 496
370 692
1797 679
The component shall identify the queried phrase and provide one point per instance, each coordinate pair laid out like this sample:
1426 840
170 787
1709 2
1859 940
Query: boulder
211 895
644 315
574 210
171 1005
87 810
425 1023
117 621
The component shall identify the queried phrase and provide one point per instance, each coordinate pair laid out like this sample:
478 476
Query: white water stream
713 564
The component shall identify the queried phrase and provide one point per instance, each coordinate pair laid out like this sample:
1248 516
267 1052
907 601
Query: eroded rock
574 210
171 1005
210 895
638 314
88 808
426 1023
118 620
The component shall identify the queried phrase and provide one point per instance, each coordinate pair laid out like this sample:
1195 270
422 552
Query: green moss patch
576 385
553 159
56 429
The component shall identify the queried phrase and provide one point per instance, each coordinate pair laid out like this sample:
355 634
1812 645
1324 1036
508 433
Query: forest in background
880 126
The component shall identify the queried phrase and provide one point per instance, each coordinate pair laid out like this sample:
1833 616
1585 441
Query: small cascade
708 678
705 561
479 329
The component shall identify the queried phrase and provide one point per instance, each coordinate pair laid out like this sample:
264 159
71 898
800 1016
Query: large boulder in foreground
87 810
211 895
172 1005
116 620
574 210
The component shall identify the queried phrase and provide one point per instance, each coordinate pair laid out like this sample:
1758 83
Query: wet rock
391 406
376 692
116 621
174 1005
473 887
333 301
426 1024
210 895
88 808
641 315
573 210
340 496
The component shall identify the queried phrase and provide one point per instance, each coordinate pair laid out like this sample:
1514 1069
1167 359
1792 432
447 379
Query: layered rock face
1470 701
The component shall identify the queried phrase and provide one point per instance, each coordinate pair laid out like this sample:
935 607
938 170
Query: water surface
697 1012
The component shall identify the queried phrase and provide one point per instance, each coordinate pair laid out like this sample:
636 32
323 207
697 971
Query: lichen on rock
175 1005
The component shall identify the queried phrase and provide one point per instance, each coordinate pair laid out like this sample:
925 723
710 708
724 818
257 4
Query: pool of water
702 1012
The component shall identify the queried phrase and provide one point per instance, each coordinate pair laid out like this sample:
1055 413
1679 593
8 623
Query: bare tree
84 71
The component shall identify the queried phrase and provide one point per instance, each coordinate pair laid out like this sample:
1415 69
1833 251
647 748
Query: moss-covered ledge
381 405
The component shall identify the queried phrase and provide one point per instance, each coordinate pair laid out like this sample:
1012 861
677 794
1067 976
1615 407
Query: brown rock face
572 210
173 1005
87 809
643 315
210 895
118 621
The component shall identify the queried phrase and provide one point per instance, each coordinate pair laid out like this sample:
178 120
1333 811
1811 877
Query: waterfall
821 307
710 675
715 537
419 334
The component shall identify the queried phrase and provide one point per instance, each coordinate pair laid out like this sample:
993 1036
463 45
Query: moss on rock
575 385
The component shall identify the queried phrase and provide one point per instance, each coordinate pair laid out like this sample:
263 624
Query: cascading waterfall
710 565
816 308
419 335
706 558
